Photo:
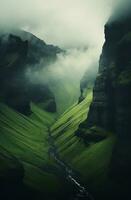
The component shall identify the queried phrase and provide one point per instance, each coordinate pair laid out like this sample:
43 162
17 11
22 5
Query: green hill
24 148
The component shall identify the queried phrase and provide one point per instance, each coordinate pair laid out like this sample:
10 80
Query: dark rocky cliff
111 105
18 51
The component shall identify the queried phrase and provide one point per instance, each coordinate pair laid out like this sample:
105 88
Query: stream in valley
81 192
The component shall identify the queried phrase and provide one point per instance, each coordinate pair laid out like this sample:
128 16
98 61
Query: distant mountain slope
26 74
37 48
19 51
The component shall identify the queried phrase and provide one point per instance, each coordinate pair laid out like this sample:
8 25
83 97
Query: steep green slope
91 159
69 121
24 147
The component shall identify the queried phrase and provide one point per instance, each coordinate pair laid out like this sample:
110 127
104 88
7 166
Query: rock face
111 106
18 51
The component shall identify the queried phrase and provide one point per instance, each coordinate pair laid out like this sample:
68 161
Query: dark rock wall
111 106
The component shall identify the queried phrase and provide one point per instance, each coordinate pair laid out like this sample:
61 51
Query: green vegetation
69 121
91 161
24 141
24 145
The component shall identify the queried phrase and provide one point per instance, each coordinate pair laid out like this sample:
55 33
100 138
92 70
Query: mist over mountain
65 99
62 23
18 50
64 75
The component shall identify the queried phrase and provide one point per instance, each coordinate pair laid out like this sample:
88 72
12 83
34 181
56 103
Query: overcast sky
67 23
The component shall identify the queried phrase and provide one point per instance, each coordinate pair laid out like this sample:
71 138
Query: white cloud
67 23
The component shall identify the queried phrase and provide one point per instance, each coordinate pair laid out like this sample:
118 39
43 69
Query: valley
25 140
64 121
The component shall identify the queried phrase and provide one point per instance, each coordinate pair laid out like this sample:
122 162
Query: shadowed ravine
81 192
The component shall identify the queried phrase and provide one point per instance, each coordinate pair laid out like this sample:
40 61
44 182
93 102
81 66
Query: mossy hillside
91 161
26 140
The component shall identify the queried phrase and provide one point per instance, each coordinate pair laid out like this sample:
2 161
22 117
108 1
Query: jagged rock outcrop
19 51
